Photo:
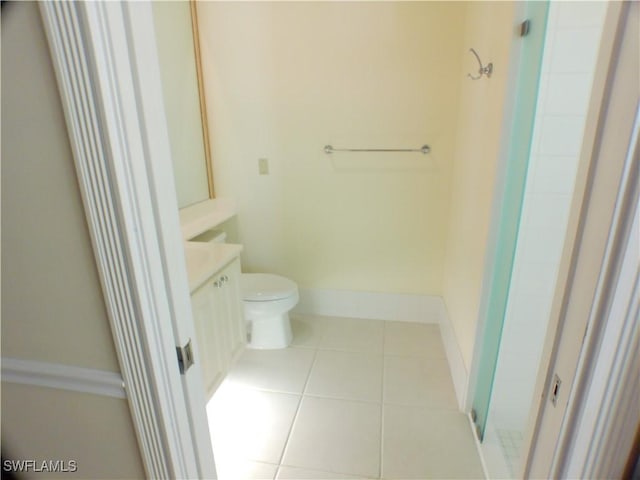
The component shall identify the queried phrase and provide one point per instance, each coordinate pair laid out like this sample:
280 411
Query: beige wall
48 424
490 30
283 80
52 304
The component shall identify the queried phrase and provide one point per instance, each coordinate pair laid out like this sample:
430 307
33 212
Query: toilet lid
260 287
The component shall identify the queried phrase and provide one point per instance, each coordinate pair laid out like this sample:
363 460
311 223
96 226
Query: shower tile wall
571 48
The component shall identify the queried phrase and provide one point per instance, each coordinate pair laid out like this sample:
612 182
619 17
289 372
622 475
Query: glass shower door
528 80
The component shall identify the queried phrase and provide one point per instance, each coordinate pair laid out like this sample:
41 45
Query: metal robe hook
482 70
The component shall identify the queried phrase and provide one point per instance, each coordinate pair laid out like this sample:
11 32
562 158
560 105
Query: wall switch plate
263 166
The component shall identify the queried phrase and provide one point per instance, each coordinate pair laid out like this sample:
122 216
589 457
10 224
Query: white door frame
593 334
106 64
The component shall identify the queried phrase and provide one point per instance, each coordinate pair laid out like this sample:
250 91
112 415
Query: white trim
93 49
607 376
379 306
615 385
582 301
479 446
458 370
63 377
162 222
491 454
428 309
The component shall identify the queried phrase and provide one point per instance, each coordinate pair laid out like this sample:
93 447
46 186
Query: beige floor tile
418 381
336 436
308 330
258 418
248 424
348 375
295 473
413 339
246 470
422 443
354 335
276 370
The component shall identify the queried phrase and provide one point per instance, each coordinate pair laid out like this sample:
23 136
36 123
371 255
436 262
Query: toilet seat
264 287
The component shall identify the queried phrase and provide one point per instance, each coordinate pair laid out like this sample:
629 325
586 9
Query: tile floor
511 443
351 398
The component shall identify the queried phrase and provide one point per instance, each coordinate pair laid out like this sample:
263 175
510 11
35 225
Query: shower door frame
512 109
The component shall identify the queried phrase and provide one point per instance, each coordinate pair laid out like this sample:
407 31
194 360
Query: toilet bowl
267 300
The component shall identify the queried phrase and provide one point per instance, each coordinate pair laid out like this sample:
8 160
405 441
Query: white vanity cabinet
219 322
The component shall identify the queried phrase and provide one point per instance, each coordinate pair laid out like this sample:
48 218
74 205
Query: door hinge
185 357
478 432
525 27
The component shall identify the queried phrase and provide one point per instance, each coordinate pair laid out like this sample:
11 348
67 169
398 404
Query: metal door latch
555 388
185 357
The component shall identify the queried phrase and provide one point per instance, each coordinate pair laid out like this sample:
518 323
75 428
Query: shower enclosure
557 61
511 205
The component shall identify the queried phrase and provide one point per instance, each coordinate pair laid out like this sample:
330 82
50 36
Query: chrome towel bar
424 149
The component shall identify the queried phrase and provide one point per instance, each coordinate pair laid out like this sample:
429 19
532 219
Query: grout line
346 350
342 399
408 355
355 476
295 417
431 408
382 402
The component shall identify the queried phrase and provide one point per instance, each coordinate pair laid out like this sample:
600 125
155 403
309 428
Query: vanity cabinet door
204 303
234 310
230 313
223 328
219 321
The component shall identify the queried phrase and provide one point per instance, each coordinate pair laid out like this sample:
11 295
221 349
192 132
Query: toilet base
269 333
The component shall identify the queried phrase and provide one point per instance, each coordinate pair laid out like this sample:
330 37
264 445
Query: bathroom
420 279
388 236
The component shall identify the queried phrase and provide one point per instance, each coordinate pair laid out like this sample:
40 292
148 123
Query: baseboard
63 377
459 373
394 307
492 456
380 306
479 448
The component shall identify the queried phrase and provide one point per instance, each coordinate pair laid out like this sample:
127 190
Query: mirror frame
201 94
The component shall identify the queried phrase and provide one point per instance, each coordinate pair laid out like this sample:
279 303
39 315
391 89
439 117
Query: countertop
206 259
203 216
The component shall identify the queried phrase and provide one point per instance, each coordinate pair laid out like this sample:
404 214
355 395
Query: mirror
180 70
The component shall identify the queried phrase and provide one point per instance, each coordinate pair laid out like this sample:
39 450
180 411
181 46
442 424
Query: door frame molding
105 59
582 339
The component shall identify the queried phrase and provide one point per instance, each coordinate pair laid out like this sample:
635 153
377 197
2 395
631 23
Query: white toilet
267 300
